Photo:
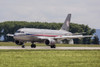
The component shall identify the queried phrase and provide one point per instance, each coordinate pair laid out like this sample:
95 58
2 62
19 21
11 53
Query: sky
83 11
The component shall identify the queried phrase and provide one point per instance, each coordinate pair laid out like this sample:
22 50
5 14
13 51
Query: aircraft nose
16 34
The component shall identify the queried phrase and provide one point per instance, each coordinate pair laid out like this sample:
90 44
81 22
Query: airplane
49 37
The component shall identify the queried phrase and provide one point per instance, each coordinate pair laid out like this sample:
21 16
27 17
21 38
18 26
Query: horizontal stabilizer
11 35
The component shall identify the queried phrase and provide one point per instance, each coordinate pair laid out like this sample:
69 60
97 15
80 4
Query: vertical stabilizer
65 26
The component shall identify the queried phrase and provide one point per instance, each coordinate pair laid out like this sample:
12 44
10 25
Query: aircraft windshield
19 32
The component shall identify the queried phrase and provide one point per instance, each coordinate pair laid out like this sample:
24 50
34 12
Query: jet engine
18 42
50 42
70 41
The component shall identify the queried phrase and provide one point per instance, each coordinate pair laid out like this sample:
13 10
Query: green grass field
49 58
42 44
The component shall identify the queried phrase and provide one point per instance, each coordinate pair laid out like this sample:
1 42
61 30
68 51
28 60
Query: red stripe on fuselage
46 35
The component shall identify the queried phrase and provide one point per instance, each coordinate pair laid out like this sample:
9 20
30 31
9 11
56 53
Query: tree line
12 26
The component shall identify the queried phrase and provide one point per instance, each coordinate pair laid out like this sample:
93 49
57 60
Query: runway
47 47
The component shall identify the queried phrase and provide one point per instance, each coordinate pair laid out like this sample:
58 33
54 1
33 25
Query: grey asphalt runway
47 47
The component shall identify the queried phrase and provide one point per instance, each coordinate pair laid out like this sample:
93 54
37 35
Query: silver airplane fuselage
32 34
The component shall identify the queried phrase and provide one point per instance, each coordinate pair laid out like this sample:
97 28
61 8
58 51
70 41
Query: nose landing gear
23 46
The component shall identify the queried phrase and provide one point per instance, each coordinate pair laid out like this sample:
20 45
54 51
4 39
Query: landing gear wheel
33 46
53 46
23 46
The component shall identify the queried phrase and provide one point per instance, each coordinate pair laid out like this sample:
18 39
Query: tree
96 40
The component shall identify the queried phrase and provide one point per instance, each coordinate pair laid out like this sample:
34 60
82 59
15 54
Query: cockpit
19 31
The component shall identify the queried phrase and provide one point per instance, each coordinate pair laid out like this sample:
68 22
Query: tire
53 46
33 46
23 46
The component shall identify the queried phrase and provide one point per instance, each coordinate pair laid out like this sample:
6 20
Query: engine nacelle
70 41
18 42
50 42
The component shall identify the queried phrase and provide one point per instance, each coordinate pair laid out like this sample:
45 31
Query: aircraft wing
44 38
65 37
72 37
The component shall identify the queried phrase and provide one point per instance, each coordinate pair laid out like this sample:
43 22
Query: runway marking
48 47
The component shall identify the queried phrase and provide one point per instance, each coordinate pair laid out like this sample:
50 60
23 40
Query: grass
49 58
42 44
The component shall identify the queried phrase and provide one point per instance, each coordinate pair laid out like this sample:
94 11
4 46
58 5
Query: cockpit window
22 31
19 31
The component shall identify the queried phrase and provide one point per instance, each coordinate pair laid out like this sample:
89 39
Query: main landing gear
33 45
53 46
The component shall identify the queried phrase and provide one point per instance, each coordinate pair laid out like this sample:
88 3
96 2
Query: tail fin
65 26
